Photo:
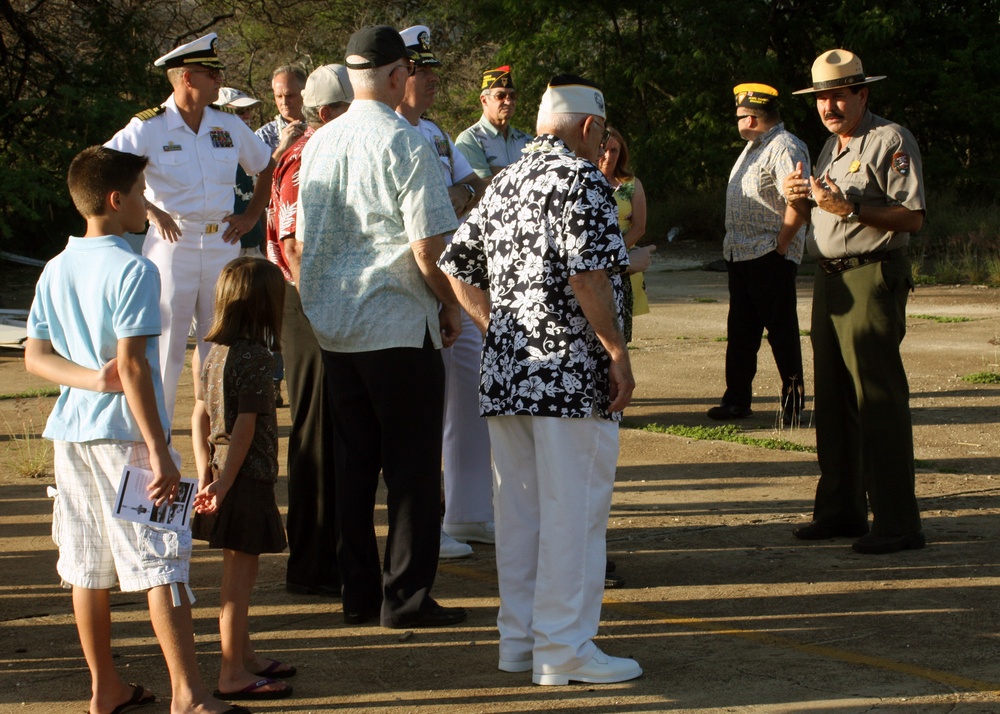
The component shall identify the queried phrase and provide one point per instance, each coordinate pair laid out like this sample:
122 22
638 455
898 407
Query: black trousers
864 436
387 412
312 535
761 296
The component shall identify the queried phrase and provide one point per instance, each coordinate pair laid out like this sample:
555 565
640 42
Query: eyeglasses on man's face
605 135
408 65
504 96
741 117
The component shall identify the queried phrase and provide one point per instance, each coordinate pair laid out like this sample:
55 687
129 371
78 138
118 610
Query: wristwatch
854 216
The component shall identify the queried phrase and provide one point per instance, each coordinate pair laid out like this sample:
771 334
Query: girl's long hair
249 304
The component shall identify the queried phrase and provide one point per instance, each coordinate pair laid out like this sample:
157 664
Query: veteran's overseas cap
228 96
569 94
499 78
755 96
202 51
837 68
375 46
418 41
328 84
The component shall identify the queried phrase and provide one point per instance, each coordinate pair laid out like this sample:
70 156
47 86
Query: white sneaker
483 532
601 669
451 548
515 665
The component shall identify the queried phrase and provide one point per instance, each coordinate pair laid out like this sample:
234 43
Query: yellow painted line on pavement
766 638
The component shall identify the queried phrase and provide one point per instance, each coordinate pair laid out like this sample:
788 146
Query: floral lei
546 143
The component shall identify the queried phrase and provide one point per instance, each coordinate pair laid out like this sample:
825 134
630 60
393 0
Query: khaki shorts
94 546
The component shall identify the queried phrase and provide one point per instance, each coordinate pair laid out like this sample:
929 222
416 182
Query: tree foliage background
72 72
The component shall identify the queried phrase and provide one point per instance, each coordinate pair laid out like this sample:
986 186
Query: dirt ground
724 609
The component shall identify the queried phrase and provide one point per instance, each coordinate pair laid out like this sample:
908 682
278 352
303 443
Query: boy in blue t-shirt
93 328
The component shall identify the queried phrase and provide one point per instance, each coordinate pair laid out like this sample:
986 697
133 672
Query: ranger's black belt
839 265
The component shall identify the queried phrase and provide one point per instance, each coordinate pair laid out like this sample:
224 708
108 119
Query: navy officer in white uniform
193 149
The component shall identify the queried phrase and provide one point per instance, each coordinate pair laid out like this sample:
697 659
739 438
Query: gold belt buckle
211 228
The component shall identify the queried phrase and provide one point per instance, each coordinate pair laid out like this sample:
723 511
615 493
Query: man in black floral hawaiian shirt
555 378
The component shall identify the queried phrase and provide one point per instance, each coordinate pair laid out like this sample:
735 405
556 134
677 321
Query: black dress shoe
872 544
321 590
613 581
822 530
434 615
725 412
609 566
360 617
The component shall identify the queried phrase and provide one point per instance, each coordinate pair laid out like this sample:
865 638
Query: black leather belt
839 265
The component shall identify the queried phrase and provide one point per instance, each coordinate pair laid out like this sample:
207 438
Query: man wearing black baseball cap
373 213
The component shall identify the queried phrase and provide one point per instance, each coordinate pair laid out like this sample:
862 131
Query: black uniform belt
839 265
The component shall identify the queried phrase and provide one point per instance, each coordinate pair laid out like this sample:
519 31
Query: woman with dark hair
631 200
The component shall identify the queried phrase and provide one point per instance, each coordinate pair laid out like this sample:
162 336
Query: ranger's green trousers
864 436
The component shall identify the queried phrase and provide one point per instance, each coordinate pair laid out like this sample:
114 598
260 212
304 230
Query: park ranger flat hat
837 68
202 51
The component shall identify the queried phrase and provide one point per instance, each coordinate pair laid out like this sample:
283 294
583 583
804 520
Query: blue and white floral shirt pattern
544 219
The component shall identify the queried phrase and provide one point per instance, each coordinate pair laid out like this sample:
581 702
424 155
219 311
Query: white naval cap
418 41
201 51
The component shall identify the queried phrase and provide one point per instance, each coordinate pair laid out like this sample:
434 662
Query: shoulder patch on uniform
150 113
227 110
901 163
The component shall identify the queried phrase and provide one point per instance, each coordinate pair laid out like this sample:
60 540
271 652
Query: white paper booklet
134 504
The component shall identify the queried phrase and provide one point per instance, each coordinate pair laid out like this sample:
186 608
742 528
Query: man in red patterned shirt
312 558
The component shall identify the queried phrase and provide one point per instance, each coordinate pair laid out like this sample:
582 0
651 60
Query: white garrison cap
569 94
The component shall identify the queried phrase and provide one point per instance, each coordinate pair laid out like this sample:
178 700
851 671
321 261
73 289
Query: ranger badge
901 163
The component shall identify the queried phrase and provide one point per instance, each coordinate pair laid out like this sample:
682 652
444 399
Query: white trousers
189 270
468 473
553 480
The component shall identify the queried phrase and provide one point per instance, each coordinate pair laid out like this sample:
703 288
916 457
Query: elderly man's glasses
741 117
410 67
605 135
503 96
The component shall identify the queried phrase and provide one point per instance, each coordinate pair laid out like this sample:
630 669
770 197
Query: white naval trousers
468 473
189 270
553 480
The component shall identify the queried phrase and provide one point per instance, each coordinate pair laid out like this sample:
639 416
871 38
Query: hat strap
841 82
